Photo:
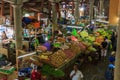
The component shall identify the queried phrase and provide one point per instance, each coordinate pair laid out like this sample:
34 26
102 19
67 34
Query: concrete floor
94 71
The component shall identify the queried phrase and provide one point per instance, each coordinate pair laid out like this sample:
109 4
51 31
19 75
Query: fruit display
99 39
104 32
44 57
61 39
91 49
73 38
74 32
47 53
69 53
64 47
36 60
58 58
91 38
82 46
84 34
41 48
75 47
57 45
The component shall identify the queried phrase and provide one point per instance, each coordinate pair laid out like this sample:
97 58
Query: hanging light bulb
46 38
82 9
27 15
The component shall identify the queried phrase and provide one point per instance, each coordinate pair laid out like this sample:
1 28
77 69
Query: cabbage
50 71
84 34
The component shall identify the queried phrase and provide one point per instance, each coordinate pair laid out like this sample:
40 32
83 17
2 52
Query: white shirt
77 76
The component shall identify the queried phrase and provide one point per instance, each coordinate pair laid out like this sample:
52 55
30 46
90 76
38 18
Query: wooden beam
10 1
15 1
11 13
36 10
42 5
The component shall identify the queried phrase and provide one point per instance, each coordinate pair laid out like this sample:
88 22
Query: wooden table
9 76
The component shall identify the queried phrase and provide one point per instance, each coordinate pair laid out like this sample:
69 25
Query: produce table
9 73
67 67
7 70
69 62
9 77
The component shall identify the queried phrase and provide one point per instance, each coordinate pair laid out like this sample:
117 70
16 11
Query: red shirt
35 75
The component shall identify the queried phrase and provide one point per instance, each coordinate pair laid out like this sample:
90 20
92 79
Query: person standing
104 47
114 40
109 73
36 74
76 74
112 57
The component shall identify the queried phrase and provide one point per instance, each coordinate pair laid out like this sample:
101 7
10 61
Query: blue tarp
26 20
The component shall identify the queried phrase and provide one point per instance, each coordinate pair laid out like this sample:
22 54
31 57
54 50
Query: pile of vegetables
104 32
10 71
50 71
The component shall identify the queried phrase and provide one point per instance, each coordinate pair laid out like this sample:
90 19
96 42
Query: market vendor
36 74
5 40
4 36
34 43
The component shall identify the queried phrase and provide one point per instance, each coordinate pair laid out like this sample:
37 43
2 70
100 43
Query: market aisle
94 72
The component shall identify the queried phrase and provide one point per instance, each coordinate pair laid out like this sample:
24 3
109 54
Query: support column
77 12
54 17
113 12
101 6
2 8
11 13
18 29
73 6
117 60
18 25
91 9
58 10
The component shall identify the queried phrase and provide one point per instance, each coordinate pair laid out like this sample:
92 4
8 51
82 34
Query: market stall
65 50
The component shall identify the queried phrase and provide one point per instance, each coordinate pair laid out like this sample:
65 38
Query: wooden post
73 6
117 60
91 9
101 6
18 28
77 13
11 13
2 8
113 12
18 25
38 16
54 18
58 10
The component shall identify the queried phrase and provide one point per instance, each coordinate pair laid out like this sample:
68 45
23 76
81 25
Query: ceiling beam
10 1
16 1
